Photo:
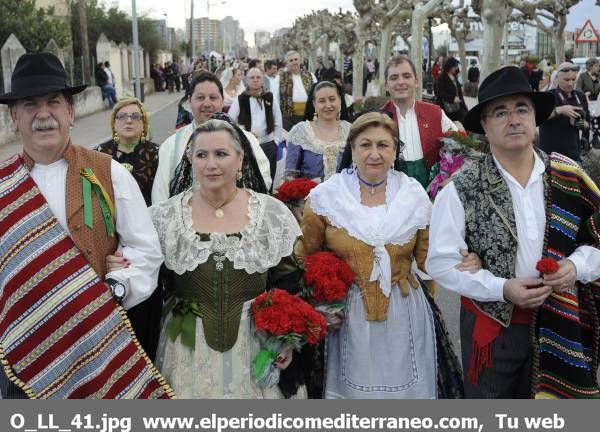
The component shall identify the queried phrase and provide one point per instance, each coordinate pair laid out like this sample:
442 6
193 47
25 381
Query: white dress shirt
171 151
228 99
110 77
299 93
259 119
137 237
408 130
447 234
273 86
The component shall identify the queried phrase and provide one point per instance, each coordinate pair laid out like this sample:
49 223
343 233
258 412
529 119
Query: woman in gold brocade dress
376 219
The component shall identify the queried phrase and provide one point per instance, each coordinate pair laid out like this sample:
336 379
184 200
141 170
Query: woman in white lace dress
223 245
314 146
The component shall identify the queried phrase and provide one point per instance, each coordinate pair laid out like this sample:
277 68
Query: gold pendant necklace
219 213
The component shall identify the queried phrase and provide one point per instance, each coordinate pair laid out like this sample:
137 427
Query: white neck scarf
408 210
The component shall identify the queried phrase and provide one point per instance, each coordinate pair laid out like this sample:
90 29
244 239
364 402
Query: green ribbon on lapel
90 182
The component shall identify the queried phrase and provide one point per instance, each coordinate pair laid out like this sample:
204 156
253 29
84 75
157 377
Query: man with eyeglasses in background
513 207
562 132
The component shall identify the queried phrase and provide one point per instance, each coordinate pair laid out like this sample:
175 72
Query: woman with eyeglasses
130 146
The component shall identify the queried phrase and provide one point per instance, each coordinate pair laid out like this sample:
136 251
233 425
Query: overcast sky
252 14
273 14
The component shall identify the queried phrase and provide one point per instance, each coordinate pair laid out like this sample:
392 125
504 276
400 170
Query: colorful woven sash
567 324
62 335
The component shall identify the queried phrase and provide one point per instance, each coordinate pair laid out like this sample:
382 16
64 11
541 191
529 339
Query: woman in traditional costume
232 86
131 147
224 244
376 219
314 146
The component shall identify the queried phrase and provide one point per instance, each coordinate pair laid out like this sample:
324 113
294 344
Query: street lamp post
166 35
192 42
208 5
136 50
429 65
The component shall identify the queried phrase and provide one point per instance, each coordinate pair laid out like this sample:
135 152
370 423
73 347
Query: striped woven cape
567 327
62 335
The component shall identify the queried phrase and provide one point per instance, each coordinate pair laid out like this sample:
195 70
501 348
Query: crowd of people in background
244 128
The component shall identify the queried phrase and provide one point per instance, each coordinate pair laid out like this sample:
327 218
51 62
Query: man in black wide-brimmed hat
64 209
528 328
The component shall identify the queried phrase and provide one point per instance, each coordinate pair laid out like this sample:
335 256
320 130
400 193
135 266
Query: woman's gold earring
116 137
238 176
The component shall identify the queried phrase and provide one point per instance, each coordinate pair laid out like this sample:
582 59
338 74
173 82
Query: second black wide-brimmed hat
507 81
37 74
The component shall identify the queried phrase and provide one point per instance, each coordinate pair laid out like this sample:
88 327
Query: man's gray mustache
49 123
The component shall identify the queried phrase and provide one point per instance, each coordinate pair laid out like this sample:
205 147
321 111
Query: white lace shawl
269 236
408 210
304 136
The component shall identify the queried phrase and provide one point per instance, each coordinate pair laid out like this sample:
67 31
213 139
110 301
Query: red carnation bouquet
294 192
282 320
547 266
326 281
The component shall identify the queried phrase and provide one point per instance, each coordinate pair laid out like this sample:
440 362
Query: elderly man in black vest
258 112
528 328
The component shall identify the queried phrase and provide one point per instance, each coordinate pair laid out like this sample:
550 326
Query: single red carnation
547 266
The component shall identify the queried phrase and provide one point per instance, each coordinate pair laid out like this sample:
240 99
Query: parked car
579 62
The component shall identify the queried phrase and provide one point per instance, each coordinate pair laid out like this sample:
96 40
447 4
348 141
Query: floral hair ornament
459 148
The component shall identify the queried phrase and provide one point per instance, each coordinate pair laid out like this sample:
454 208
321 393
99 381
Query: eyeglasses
133 116
503 115
570 69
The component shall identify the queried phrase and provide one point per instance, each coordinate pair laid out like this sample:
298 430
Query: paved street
449 304
95 128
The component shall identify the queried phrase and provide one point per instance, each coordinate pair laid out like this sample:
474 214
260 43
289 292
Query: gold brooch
128 166
426 125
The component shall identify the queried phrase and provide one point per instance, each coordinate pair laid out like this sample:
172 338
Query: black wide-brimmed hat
507 81
37 74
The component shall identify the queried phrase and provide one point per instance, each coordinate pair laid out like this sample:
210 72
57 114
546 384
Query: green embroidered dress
206 345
